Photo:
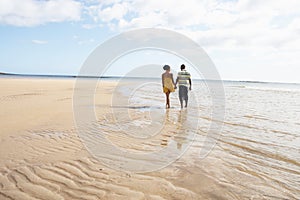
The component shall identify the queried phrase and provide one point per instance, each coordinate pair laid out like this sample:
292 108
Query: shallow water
261 137
257 152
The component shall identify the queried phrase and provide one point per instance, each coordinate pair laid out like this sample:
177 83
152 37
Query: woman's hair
166 67
182 67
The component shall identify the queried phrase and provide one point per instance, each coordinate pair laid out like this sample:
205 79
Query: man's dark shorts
183 93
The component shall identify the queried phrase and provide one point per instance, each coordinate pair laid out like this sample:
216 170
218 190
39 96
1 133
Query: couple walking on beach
184 83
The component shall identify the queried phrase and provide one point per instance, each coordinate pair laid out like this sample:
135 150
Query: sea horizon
135 77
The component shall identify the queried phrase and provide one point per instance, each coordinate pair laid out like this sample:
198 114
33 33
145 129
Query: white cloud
248 32
234 32
210 22
35 12
170 13
39 41
117 11
85 42
82 41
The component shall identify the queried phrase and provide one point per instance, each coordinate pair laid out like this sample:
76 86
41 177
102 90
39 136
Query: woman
168 84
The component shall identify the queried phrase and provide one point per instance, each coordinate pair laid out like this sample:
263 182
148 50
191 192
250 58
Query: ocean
247 141
115 138
255 149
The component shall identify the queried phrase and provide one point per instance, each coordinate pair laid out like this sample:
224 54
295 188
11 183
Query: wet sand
42 156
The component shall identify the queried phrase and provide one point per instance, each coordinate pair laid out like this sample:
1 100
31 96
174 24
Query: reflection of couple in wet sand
180 132
184 83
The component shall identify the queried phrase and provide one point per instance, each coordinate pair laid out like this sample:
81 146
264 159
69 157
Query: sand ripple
83 179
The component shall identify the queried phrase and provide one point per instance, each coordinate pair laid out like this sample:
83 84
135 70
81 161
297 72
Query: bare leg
186 97
168 99
186 102
181 102
182 95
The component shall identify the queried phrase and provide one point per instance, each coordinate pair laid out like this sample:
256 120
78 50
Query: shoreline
12 75
42 156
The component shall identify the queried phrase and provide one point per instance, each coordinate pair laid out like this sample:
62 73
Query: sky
250 40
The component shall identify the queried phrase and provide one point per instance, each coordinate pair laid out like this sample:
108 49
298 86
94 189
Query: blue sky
246 39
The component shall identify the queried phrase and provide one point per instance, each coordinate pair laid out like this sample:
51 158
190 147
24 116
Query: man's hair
182 67
166 67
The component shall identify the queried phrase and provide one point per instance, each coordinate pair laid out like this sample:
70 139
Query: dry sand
42 157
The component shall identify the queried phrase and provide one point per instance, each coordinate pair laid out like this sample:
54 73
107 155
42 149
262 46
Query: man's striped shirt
183 78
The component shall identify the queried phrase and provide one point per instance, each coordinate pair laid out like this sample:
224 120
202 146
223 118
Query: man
184 81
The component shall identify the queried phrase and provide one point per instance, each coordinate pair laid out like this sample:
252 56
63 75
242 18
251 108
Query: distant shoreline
117 77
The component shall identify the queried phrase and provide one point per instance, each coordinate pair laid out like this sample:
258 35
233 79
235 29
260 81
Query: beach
42 155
